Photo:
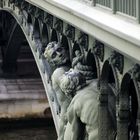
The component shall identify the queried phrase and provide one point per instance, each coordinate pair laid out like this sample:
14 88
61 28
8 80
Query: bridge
106 32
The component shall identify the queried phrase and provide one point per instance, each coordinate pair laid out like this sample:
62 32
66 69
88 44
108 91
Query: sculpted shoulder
59 72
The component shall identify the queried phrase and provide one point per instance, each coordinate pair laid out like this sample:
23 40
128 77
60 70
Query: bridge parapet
121 31
127 7
109 44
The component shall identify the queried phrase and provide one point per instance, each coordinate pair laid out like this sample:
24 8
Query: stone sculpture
82 113
80 63
74 96
59 58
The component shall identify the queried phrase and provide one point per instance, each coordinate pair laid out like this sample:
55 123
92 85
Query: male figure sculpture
59 58
82 113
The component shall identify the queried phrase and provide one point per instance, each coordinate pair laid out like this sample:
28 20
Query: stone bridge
106 32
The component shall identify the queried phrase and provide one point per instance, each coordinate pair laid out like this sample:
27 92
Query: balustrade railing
106 3
128 7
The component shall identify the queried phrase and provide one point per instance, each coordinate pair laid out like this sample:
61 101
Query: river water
28 130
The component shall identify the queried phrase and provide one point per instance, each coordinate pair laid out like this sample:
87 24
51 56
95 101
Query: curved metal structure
107 38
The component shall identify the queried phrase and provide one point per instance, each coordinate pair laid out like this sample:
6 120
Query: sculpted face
56 54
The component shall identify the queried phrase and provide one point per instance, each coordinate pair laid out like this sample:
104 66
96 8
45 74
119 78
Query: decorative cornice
117 60
99 50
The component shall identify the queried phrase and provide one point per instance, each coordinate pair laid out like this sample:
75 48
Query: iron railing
128 7
106 3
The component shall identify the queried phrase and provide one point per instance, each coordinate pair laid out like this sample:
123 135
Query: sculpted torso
62 99
59 58
83 110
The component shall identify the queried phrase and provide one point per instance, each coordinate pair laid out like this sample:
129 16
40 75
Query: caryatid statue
82 113
58 56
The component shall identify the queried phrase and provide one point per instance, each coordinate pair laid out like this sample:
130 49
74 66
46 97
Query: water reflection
24 131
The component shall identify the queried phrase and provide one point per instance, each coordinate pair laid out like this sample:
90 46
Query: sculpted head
72 81
56 54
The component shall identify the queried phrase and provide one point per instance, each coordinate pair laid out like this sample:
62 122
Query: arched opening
22 92
29 19
64 42
54 36
36 29
109 75
29 22
128 112
108 84
44 36
36 35
112 97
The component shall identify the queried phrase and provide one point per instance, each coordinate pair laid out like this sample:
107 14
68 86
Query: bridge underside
114 59
22 93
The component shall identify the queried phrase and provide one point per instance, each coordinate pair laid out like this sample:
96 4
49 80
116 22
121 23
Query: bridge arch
109 75
39 60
